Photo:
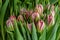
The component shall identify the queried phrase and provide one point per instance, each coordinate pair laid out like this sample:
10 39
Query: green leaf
53 1
11 35
23 30
3 10
34 33
43 35
27 32
17 35
15 6
0 4
58 34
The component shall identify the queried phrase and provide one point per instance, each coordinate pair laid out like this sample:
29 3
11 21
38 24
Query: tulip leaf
15 6
3 10
0 4
23 30
43 35
11 35
17 35
27 32
58 34
53 1
34 33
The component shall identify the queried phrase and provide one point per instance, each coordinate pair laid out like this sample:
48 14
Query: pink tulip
40 25
20 18
51 19
39 9
53 14
35 15
9 23
28 14
29 26
10 20
22 11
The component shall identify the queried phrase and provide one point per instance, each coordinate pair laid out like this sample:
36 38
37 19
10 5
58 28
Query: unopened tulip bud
50 19
12 18
20 18
35 15
22 11
10 23
40 25
39 8
29 26
53 16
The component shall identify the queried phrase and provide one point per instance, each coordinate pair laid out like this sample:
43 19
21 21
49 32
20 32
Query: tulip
51 19
40 25
35 15
29 26
22 11
53 15
20 18
12 18
39 8
10 23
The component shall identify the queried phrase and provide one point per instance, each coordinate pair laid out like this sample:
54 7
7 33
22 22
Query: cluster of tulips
37 16
32 23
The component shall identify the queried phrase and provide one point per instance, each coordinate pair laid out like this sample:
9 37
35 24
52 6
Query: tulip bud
27 15
53 16
10 23
40 25
50 19
22 11
29 26
39 9
35 15
20 18
12 18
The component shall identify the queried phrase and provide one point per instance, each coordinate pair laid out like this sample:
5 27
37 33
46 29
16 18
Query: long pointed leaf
23 30
3 10
34 34
17 35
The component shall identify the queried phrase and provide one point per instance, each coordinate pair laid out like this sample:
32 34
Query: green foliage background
7 7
